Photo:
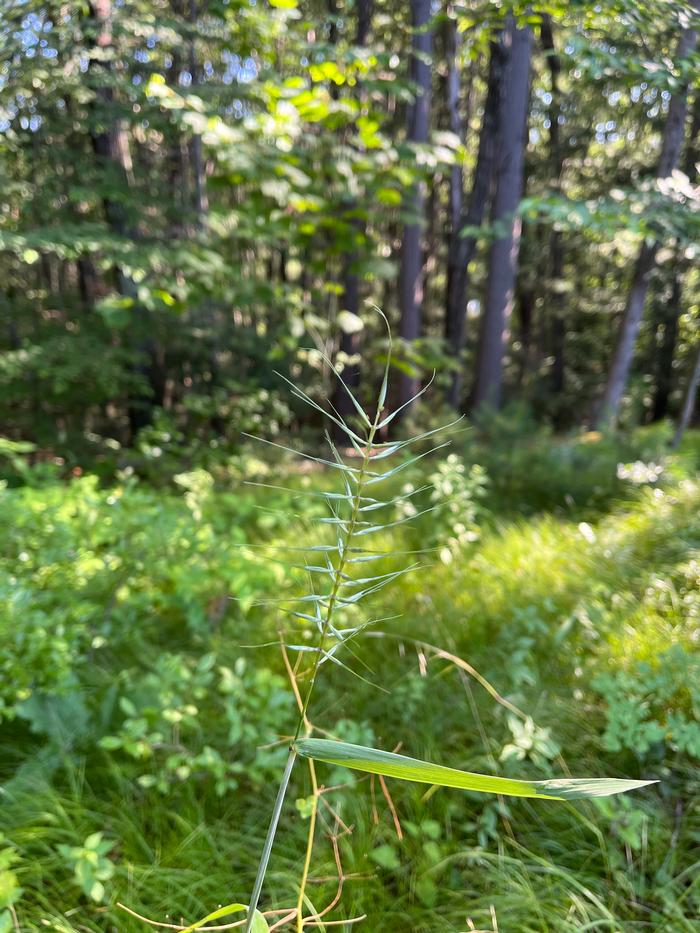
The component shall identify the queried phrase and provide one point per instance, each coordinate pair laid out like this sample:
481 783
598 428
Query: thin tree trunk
558 334
87 281
178 159
452 88
14 341
411 272
667 308
689 401
111 147
668 312
526 300
365 9
201 201
609 406
109 141
465 247
503 257
556 245
456 201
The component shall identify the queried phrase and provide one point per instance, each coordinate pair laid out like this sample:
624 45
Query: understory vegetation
146 707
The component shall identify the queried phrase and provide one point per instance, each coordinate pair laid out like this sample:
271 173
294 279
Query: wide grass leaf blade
375 761
259 922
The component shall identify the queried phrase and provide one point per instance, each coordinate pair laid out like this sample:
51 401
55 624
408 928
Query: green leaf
326 71
385 856
259 922
93 841
389 196
96 891
427 891
375 761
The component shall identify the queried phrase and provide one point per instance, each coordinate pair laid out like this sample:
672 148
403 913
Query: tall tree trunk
87 281
609 406
556 245
689 400
456 189
411 271
111 147
503 256
464 248
109 141
190 201
668 312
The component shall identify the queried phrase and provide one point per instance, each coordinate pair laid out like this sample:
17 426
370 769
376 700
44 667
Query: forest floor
143 737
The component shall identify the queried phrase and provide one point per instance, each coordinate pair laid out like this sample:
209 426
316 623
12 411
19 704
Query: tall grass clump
341 569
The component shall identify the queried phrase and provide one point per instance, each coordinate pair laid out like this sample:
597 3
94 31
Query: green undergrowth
144 703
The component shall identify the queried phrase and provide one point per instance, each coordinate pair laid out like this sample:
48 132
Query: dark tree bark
87 281
668 311
111 147
188 173
503 256
364 21
689 400
14 341
555 303
109 142
609 406
411 271
463 248
456 189
558 337
526 298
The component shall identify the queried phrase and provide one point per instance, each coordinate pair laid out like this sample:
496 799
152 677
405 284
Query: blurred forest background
198 194
203 196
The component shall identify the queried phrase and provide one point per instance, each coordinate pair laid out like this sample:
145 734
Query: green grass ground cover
141 737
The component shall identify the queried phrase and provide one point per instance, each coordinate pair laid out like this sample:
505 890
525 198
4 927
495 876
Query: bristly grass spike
342 590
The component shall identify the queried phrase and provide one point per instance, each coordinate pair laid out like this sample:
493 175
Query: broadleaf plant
355 517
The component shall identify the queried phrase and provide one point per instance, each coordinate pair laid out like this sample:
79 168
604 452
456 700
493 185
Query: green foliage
90 864
653 708
10 891
539 605
259 924
529 741
164 712
532 469
177 442
455 515
456 494
140 566
256 180
14 453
